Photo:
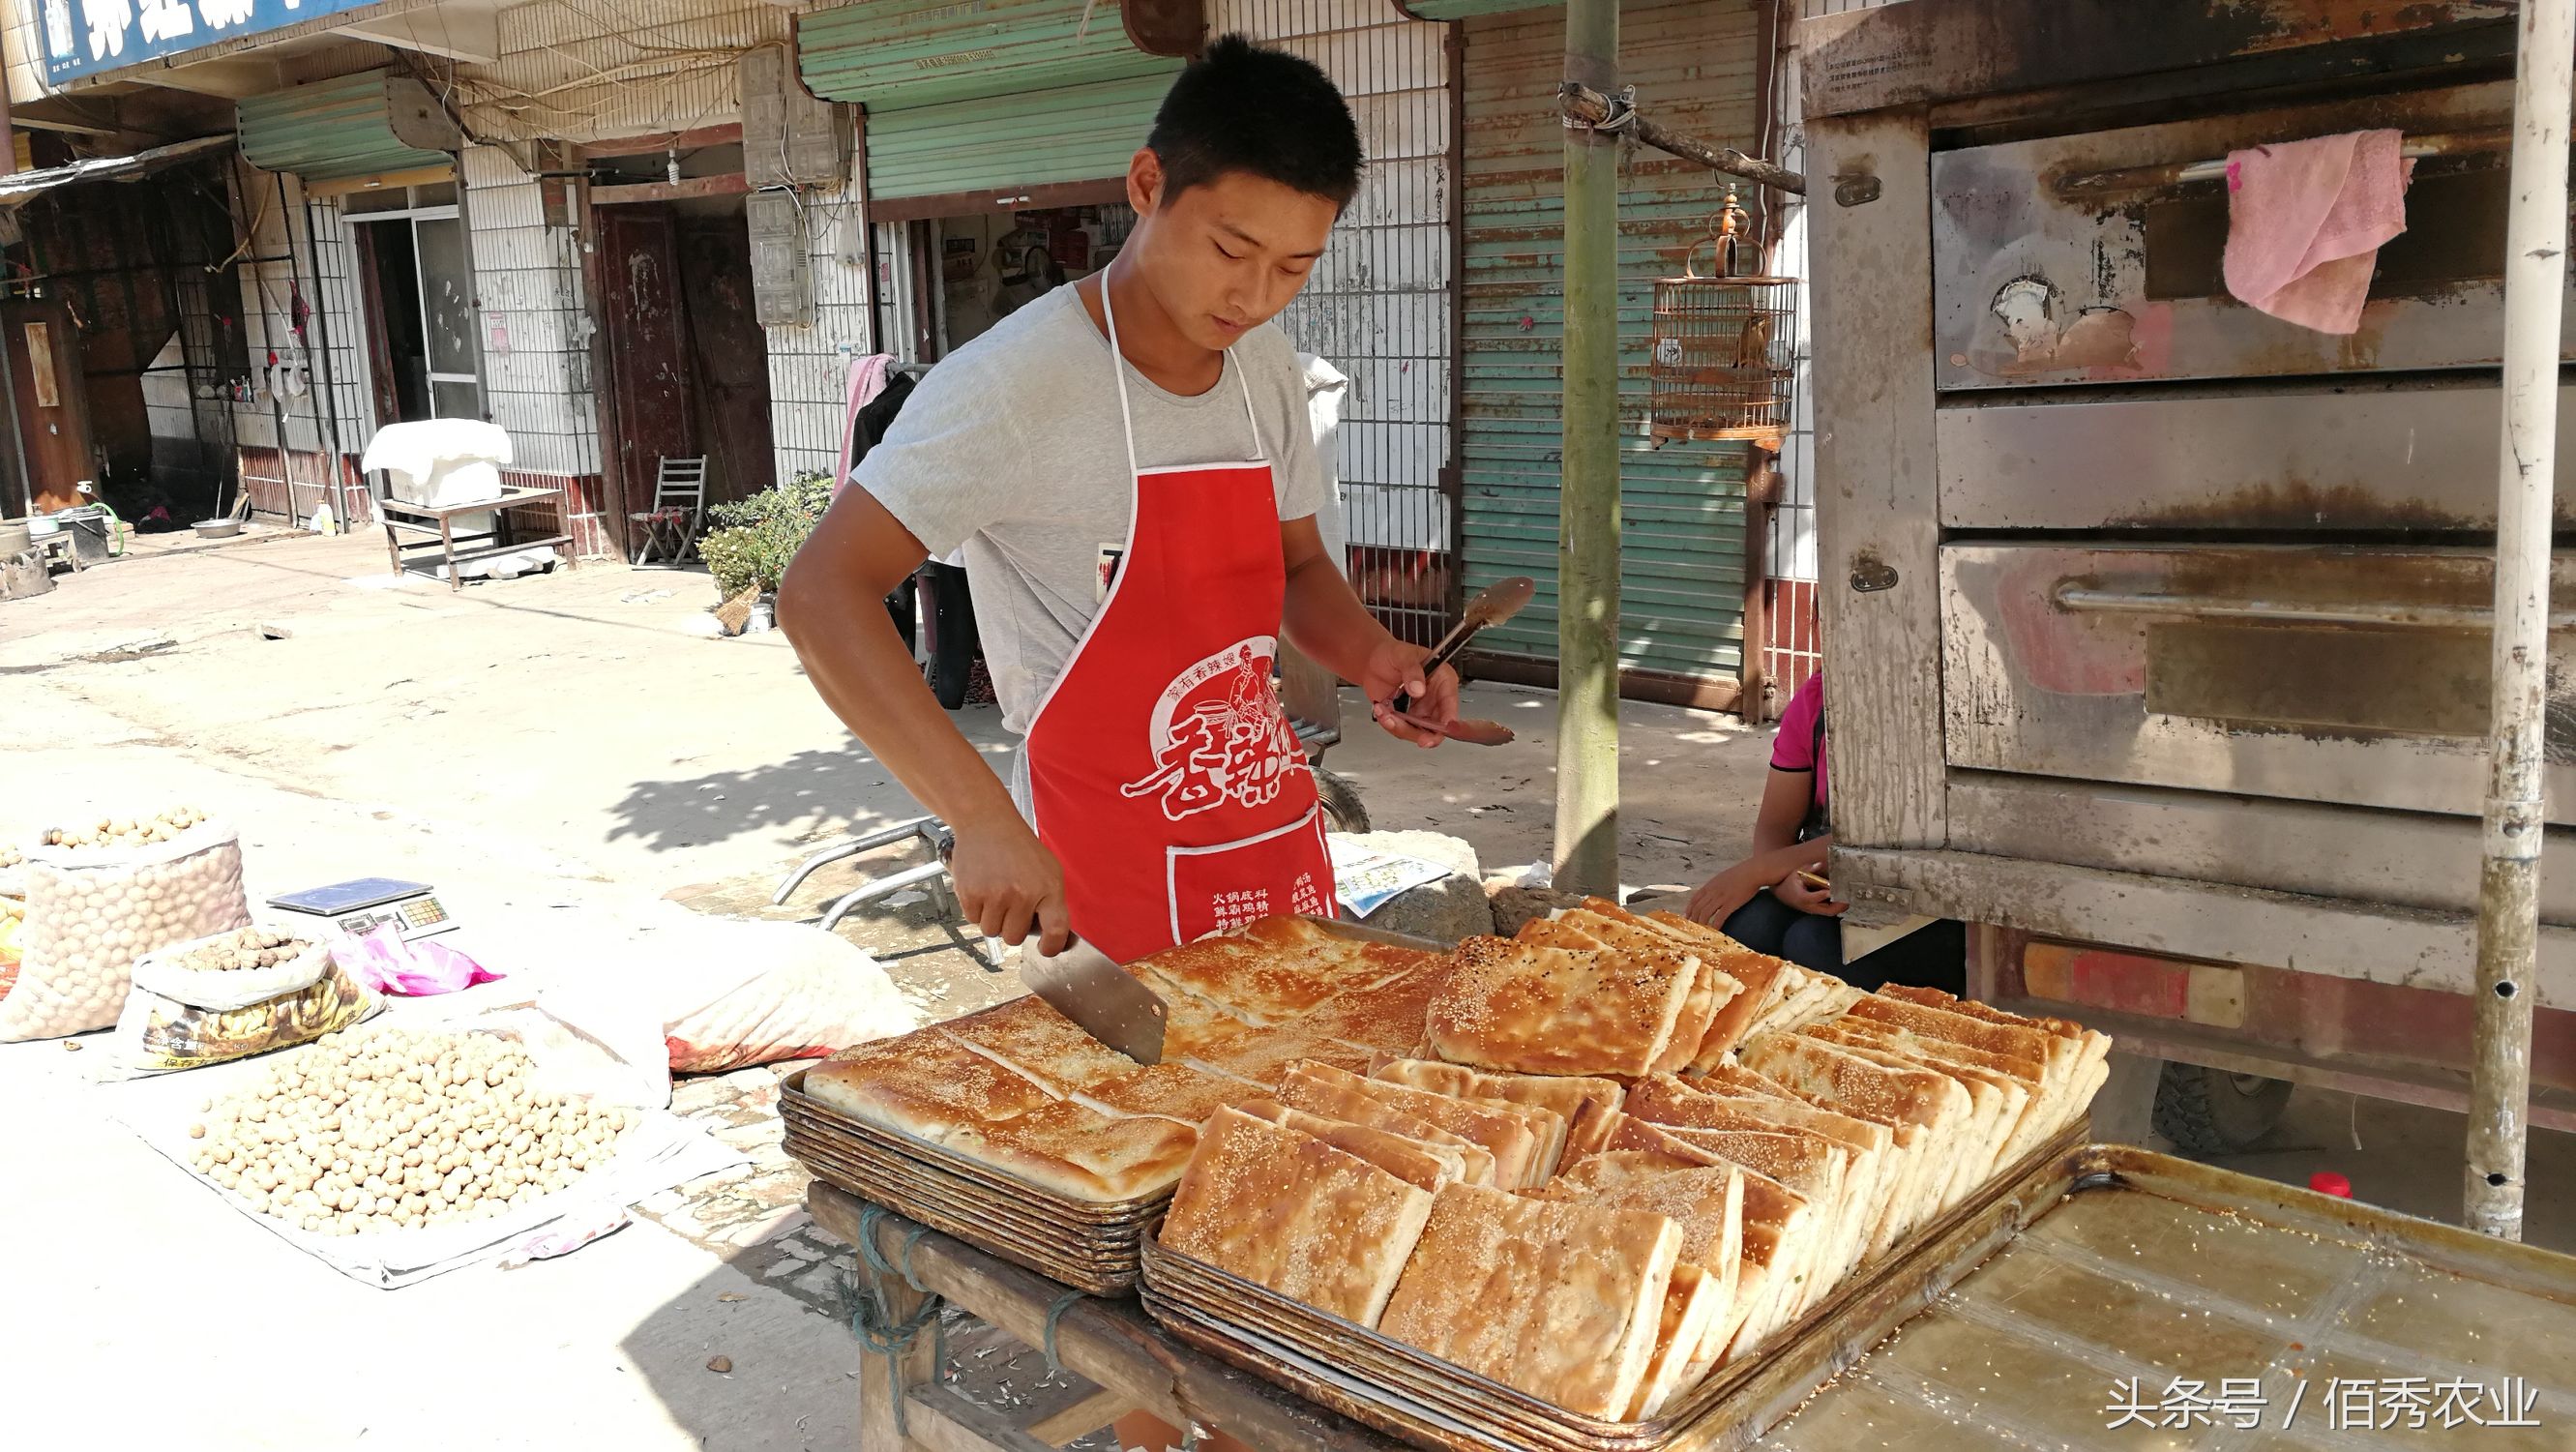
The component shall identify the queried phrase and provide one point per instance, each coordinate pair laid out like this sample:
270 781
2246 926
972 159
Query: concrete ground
538 747
562 745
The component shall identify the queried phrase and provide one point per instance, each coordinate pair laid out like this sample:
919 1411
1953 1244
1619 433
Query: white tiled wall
535 332
809 367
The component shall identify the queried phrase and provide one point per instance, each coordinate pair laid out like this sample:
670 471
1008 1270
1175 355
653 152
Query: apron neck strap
1118 371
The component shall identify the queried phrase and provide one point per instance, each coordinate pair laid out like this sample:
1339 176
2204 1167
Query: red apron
1162 772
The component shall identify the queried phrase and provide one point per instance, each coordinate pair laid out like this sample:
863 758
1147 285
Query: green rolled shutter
889 55
1681 537
1070 134
990 95
351 126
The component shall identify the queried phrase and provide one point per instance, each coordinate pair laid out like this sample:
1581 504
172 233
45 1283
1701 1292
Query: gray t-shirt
1011 447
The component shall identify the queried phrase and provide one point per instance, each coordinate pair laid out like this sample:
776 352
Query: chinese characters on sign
83 37
2344 1404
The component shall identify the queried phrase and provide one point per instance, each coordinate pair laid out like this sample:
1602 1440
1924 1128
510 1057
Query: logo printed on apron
1163 774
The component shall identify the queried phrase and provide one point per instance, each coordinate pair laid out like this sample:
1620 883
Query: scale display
364 904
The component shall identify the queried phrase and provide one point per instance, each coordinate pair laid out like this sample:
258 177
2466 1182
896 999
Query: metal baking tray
1411 1394
824 1122
1106 1244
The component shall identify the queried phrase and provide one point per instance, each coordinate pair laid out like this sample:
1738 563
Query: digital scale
364 904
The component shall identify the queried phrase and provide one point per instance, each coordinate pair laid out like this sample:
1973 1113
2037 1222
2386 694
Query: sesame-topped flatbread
1563 1096
1529 1009
1334 1100
1709 995
1081 1153
1269 972
1285 1210
1422 1165
1387 1017
1030 1038
923 1084
1515 1134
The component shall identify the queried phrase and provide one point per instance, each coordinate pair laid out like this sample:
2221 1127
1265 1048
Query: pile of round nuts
10 855
245 948
398 1129
123 833
88 923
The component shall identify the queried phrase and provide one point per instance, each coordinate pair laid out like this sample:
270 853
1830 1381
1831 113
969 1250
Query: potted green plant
753 539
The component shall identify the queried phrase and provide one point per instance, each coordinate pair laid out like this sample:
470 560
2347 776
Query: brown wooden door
732 354
53 411
648 347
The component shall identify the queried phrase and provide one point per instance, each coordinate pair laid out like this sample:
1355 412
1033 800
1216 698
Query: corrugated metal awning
24 187
1011 145
351 126
891 55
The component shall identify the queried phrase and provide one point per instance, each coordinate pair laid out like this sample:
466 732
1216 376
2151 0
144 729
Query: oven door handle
2301 612
2183 173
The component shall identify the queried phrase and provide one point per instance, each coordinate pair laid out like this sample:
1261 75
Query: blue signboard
84 37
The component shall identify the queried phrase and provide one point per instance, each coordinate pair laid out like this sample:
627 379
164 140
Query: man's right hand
1010 885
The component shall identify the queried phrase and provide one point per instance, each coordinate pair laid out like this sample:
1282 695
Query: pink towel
2306 220
867 380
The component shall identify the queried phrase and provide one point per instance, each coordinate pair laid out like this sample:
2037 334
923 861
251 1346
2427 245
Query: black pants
1932 956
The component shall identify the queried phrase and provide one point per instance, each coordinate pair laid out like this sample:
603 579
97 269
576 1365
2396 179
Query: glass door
427 354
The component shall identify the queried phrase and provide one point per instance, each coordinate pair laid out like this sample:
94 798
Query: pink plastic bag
384 962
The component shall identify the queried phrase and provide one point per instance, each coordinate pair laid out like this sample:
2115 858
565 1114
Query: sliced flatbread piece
2028 1078
1589 1132
2092 1048
1424 1166
1028 1037
1288 1211
1905 1140
1528 1009
1513 1133
1387 1017
1710 992
1265 1055
924 1084
1193 1026
1764 980
1692 1301
1564 1097
1080 1153
1848 1084
1877 1168
1316 1096
1706 1202
1839 1177
1562 1300
1172 1091
1268 973
1996 1104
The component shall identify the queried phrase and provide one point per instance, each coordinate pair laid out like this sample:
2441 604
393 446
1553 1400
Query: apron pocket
1220 888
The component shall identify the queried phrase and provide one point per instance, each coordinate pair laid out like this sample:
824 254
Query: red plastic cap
2327 1182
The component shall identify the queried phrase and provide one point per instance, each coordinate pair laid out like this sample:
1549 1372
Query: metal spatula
1087 986
1493 605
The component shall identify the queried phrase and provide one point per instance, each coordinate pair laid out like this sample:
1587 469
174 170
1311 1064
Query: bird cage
1724 345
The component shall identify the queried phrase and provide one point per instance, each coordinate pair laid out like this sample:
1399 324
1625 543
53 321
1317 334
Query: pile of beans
399 1129
246 948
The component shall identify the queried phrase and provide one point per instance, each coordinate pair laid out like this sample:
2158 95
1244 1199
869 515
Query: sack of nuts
164 1031
98 898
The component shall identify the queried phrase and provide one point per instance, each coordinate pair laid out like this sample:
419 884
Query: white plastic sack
163 972
756 993
91 913
161 1035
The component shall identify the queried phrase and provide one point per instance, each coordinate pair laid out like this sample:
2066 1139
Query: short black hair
1246 107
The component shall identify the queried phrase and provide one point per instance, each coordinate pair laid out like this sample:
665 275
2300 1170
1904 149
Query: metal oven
2156 628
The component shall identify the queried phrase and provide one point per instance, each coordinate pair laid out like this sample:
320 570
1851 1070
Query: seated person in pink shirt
1776 901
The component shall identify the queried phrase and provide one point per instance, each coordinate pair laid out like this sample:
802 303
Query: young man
1128 465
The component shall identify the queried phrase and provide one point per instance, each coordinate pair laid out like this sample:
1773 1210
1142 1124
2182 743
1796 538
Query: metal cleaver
1087 986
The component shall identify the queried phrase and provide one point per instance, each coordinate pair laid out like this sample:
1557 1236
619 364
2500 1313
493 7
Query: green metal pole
1587 536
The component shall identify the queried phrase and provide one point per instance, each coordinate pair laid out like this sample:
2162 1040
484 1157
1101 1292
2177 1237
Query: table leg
881 1392
447 546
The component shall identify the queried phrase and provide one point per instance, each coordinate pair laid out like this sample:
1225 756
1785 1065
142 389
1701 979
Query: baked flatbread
1028 1037
1842 1180
1692 1301
1423 1166
1561 1300
1081 1153
2024 1080
1193 1026
1273 970
1995 1103
1839 1080
1538 1010
1589 1132
1386 1017
1336 1101
1710 992
1513 1133
923 1084
1288 1211
1169 1090
2092 1049
1879 1167
1563 1097
1761 976
1264 1056
1706 1202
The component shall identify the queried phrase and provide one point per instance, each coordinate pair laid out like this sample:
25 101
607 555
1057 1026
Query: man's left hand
1433 703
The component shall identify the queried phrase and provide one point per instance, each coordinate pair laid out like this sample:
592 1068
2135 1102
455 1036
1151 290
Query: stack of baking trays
1631 1181
1015 1131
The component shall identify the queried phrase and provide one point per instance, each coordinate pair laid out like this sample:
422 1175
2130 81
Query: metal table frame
903 1406
438 524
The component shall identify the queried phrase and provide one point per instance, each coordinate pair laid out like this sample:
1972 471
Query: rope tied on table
879 1330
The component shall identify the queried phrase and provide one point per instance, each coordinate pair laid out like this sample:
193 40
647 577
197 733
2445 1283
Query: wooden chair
679 512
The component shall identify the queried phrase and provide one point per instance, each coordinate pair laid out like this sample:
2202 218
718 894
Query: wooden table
1110 1343
434 529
